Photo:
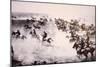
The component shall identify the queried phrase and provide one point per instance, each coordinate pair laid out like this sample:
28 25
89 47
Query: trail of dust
64 47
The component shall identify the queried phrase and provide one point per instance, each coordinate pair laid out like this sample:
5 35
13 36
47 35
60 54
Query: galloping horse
27 27
16 34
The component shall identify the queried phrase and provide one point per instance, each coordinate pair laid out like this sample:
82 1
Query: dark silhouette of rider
44 36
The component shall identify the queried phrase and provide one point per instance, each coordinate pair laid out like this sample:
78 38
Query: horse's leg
91 53
86 55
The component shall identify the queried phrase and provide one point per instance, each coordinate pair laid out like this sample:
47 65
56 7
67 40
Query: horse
92 49
23 37
85 51
13 33
44 36
82 51
37 27
27 27
34 34
16 34
76 45
41 22
49 40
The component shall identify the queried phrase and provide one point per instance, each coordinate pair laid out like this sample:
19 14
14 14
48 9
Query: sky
84 13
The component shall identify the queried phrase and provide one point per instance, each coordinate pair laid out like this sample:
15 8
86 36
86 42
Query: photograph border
48 3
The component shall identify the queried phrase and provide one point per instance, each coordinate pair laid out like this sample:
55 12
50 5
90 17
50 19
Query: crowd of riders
84 44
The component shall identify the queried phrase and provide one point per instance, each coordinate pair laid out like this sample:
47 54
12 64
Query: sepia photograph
52 33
